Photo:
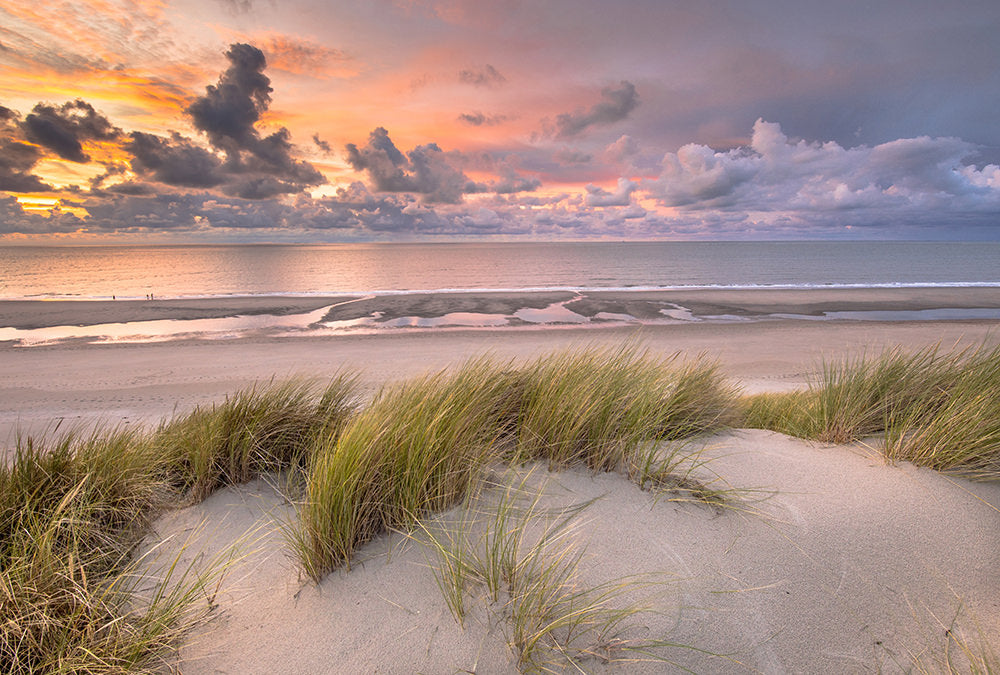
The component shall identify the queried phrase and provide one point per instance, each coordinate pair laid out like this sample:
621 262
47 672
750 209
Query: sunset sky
396 120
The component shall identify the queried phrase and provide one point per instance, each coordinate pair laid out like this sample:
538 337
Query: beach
827 558
78 381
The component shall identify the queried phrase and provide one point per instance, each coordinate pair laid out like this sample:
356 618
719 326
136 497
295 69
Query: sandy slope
827 561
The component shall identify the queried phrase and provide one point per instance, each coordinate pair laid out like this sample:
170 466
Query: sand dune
823 560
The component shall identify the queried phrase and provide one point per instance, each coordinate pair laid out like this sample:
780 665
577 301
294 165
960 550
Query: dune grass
521 564
419 446
940 410
416 448
595 407
71 515
73 509
263 429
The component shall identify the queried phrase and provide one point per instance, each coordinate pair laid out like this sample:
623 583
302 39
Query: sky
396 120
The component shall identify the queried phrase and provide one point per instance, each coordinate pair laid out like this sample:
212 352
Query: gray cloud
255 167
616 105
511 183
488 76
229 110
16 157
622 196
62 130
774 174
176 161
322 145
425 170
478 119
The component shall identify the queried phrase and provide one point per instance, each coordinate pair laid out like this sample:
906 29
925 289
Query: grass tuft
595 407
71 516
417 448
522 561
936 410
264 429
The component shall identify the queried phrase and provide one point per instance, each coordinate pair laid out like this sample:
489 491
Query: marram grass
71 515
73 508
263 429
940 410
595 407
520 564
419 447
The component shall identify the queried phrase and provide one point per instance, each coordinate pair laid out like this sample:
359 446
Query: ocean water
134 272
100 272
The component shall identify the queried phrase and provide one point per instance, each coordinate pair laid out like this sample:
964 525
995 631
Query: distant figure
113 297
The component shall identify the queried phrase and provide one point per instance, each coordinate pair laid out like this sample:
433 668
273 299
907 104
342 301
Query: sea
133 272
89 273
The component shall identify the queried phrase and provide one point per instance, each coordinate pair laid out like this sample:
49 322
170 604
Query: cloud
622 149
898 179
478 119
622 196
229 110
176 161
616 105
511 183
237 6
228 114
322 145
425 170
16 157
63 130
304 57
488 77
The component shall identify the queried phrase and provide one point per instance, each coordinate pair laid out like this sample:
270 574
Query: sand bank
744 303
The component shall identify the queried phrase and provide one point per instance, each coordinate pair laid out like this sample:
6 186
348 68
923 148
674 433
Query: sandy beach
826 560
76 381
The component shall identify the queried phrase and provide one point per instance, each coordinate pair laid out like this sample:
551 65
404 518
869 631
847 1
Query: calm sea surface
205 271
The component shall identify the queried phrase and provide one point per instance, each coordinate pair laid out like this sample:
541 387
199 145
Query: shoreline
142 383
33 320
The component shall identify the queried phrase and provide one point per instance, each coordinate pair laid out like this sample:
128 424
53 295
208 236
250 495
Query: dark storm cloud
617 103
425 170
16 161
259 187
487 76
131 188
62 129
273 155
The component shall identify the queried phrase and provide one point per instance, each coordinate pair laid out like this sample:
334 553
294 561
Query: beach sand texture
827 559
832 562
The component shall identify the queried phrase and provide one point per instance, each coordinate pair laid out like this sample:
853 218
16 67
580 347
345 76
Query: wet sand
746 303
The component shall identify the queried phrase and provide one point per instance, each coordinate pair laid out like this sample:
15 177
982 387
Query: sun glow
44 205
